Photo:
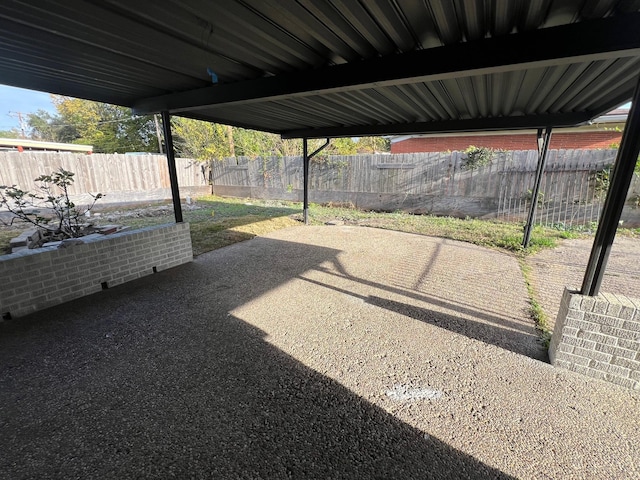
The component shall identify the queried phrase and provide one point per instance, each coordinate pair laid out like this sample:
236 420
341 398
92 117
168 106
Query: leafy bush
476 157
528 197
602 180
53 195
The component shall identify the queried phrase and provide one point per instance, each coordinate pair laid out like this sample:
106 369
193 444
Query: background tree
13 133
109 128
373 145
51 128
206 141
199 140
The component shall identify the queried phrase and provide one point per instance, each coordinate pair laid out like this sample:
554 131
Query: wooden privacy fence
572 189
123 178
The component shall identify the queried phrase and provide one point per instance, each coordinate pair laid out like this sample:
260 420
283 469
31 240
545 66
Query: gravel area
553 269
311 352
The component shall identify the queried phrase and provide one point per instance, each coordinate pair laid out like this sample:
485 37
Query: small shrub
528 197
602 180
476 157
53 194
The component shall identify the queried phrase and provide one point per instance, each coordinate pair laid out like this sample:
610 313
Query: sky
14 100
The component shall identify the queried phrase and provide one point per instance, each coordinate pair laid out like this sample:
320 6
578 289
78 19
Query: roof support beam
543 149
614 203
592 40
306 158
171 161
446 126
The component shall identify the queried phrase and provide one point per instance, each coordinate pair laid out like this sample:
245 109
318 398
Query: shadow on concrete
476 324
506 338
156 379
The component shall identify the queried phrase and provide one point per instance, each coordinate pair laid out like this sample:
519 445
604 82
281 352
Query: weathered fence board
121 177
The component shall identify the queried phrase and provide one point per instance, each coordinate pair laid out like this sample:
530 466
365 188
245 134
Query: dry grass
218 222
207 236
486 233
6 234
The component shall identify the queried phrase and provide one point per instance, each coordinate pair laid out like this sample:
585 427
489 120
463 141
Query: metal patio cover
325 68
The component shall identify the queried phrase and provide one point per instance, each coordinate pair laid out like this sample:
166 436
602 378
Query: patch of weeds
505 236
602 180
629 232
513 243
214 233
539 242
5 237
536 313
209 236
574 231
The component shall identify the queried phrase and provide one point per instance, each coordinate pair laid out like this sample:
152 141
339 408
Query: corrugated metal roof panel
122 52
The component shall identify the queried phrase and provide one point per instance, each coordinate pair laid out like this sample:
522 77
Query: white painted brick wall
599 337
37 279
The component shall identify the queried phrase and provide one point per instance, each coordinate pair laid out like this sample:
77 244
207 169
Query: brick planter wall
36 279
599 337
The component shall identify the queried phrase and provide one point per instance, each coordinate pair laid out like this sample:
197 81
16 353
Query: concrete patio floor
317 352
555 268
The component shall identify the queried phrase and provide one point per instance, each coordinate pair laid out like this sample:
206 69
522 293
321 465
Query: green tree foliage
373 145
252 143
199 140
13 133
476 157
341 146
109 128
51 128
206 141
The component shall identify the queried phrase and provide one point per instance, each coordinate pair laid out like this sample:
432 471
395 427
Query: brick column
599 337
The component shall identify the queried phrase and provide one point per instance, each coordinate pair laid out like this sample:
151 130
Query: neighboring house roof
21 144
611 121
318 68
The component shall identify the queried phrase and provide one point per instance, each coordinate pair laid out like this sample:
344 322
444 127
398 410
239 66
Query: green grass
223 221
486 233
207 236
536 313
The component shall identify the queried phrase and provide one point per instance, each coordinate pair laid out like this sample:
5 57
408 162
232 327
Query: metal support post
305 175
543 149
305 180
616 196
171 160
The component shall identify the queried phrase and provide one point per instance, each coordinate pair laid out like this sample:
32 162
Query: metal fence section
572 189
